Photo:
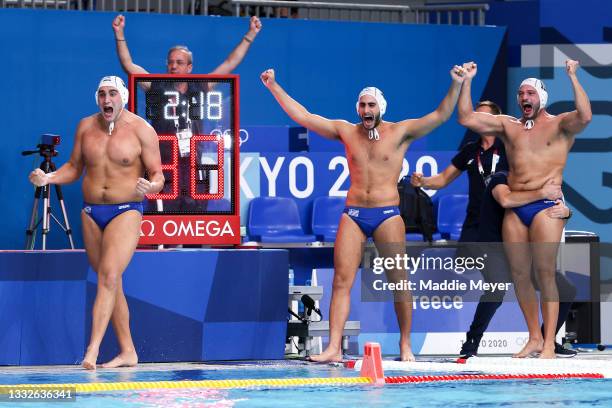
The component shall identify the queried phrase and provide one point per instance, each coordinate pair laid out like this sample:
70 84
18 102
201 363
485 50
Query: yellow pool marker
149 385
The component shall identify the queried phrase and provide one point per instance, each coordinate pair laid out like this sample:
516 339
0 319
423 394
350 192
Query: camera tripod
47 166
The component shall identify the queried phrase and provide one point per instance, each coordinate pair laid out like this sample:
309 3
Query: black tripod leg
46 192
46 216
60 198
33 225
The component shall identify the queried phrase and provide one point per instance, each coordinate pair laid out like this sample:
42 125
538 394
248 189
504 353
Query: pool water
508 393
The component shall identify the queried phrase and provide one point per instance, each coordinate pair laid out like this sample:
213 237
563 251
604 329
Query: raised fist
119 24
267 77
457 73
255 25
470 69
571 66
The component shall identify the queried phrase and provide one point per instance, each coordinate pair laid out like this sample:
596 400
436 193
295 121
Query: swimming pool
483 393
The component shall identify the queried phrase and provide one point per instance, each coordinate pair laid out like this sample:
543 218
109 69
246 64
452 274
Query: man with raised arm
180 58
180 62
375 150
113 148
537 145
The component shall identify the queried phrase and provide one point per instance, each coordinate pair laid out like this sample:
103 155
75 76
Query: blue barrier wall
184 306
54 60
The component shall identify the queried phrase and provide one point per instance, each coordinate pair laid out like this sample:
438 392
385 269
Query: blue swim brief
528 212
368 219
102 214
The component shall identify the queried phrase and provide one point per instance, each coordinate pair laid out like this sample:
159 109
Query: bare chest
543 141
382 153
120 149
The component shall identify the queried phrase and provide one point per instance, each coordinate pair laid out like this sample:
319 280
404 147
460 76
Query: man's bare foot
124 359
548 352
406 353
532 346
89 361
328 356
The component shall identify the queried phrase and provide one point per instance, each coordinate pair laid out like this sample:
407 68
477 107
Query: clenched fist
267 77
255 25
470 69
119 25
571 67
143 186
39 178
416 179
458 74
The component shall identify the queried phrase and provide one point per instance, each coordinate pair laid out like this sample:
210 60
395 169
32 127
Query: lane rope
84 388
149 385
497 365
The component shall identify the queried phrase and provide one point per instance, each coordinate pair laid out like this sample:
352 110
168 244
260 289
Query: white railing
144 6
462 14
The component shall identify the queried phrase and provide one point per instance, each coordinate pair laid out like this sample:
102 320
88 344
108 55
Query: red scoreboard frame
204 227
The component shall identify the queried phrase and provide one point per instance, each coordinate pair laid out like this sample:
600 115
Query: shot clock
196 120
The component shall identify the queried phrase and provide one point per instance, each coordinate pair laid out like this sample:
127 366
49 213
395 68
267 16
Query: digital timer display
196 120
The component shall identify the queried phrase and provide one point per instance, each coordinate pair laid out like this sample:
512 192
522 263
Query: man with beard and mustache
375 151
537 146
114 148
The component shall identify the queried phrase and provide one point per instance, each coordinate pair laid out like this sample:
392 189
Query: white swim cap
118 84
377 94
540 89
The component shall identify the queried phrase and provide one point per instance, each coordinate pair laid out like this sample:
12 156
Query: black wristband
569 215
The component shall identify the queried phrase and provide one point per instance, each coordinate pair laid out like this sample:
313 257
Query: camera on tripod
46 147
49 140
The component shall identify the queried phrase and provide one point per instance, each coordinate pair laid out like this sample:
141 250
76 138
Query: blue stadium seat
414 237
326 213
451 213
276 220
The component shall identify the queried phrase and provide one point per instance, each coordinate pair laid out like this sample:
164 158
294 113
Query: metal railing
461 14
472 14
192 7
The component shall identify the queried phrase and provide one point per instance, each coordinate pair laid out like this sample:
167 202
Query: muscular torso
536 155
112 162
374 165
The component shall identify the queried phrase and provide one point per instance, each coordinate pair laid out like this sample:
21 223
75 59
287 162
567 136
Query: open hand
559 210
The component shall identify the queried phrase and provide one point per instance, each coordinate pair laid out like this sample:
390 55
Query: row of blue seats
277 219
